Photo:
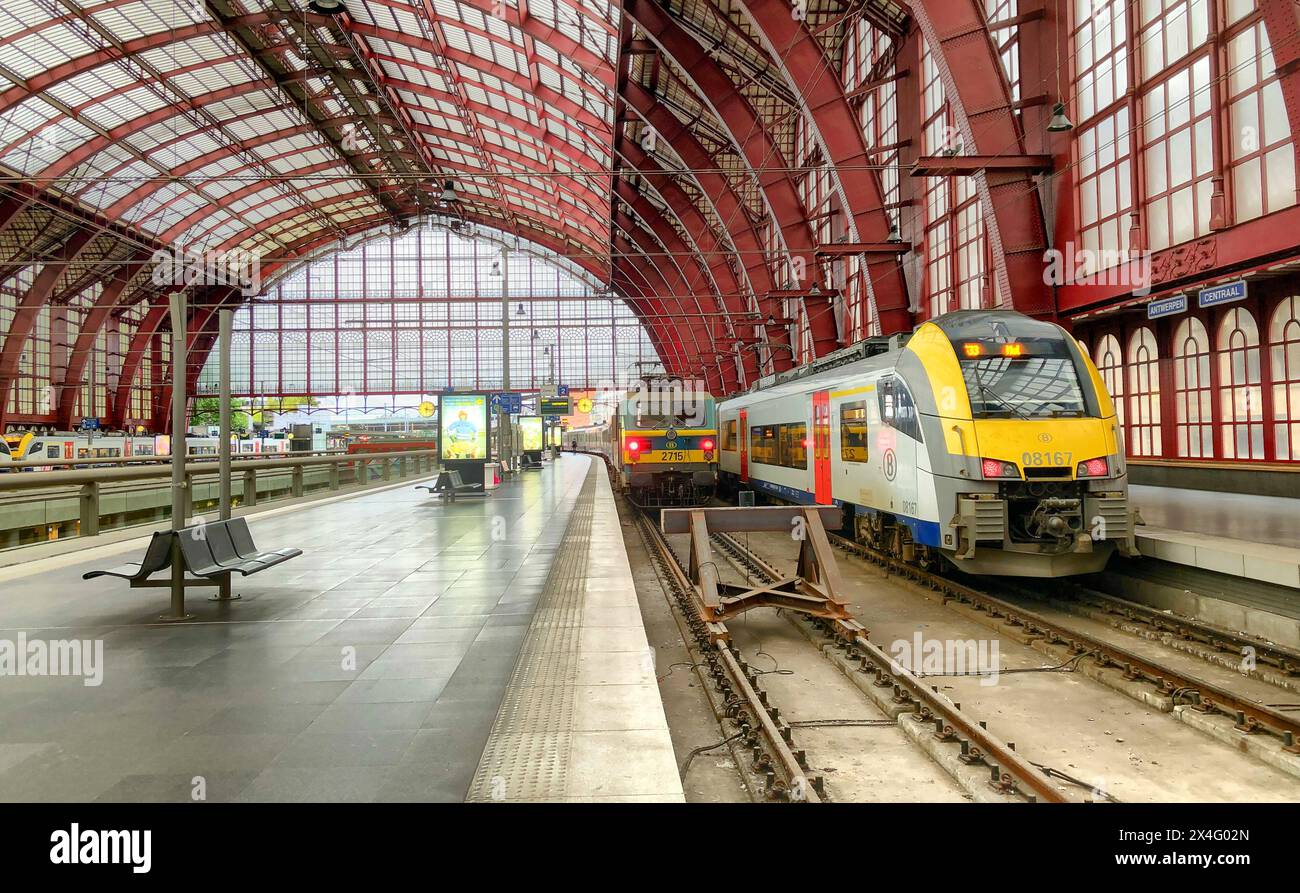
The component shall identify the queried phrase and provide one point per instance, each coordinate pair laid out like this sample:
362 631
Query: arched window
1110 363
1284 363
1144 394
1192 389
1240 394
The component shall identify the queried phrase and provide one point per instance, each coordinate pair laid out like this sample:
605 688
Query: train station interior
650 401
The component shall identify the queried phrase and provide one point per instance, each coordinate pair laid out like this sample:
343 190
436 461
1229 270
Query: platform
1253 537
370 669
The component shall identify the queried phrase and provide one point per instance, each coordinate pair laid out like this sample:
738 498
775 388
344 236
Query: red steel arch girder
716 90
728 205
701 231
666 280
644 303
93 146
90 329
958 36
683 253
678 289
808 72
705 252
1282 23
635 270
24 319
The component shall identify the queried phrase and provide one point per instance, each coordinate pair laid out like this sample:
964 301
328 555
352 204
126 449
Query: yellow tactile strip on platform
582 718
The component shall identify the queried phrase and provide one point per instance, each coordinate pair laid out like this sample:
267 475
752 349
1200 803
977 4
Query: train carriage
664 444
988 440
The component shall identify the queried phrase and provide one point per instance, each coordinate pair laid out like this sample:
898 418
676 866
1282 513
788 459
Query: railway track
1274 663
1179 687
769 738
735 690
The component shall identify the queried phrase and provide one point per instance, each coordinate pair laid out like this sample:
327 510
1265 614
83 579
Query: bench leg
223 591
177 613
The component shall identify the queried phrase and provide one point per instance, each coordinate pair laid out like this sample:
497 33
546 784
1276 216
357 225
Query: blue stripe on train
924 532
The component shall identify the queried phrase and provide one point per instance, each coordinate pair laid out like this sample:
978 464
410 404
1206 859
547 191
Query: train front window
1024 386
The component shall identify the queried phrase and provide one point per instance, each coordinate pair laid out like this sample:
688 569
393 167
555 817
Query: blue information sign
511 402
1222 294
90 424
562 390
1167 306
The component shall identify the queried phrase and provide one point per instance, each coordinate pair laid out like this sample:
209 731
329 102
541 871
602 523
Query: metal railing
108 491
22 465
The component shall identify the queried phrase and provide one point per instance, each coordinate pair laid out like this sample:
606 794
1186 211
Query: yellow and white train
988 440
663 446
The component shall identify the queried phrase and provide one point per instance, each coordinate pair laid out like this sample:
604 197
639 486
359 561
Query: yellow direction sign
426 409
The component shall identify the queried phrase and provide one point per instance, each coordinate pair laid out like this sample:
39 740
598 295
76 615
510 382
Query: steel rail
798 785
1279 656
1180 687
1008 769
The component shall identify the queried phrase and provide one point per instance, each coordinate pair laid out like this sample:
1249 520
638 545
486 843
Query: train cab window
729 436
53 451
853 431
897 408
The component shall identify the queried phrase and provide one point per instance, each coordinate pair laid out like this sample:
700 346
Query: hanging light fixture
448 192
894 234
1060 121
327 7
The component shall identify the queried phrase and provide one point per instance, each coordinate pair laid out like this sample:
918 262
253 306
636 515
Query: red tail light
1093 468
706 445
995 468
633 446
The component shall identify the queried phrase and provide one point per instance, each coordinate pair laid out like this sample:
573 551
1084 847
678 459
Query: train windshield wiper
988 391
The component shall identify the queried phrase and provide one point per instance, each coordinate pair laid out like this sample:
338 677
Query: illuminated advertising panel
462 424
530 428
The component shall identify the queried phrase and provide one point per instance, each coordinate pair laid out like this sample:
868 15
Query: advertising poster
530 428
463 423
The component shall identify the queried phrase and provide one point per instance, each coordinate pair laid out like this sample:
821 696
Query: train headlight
996 469
1093 468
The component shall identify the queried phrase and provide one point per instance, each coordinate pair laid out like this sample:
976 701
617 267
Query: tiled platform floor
258 700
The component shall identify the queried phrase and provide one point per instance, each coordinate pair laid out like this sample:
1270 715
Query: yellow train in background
662 440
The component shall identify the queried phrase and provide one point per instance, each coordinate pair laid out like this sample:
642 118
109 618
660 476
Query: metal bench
209 551
157 557
449 485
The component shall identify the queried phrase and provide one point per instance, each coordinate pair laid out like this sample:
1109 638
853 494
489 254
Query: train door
744 445
821 428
